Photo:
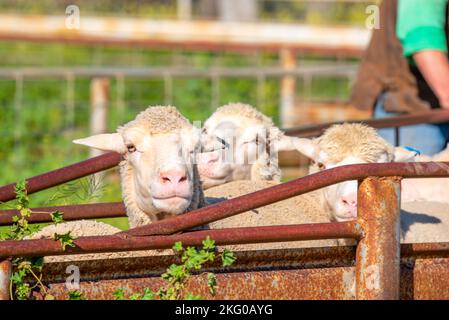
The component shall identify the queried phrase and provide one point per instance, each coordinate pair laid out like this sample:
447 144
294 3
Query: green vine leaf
227 258
75 295
57 216
66 239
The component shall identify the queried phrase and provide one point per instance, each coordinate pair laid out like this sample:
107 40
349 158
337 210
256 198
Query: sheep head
347 144
244 146
159 171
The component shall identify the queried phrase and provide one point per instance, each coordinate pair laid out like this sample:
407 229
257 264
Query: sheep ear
403 155
302 145
105 142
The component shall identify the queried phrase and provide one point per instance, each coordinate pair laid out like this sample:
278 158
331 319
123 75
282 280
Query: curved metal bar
115 243
63 175
290 189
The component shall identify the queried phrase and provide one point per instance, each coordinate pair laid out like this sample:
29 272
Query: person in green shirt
421 27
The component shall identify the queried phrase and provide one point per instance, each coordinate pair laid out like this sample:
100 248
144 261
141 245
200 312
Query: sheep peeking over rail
356 143
158 174
247 147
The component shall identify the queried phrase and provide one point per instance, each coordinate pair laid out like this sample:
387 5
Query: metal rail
63 175
341 69
119 242
71 212
257 199
203 35
439 116
290 189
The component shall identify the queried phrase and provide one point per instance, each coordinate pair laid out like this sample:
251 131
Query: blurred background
64 63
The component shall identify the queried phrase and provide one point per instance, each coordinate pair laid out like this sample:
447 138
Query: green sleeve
420 25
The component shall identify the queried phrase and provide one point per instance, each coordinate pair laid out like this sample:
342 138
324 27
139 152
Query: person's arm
434 66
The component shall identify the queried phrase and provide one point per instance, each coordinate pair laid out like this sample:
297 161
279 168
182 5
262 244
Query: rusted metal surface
431 279
378 251
306 273
290 189
209 35
124 242
259 260
292 273
439 116
71 212
309 284
5 275
62 175
425 250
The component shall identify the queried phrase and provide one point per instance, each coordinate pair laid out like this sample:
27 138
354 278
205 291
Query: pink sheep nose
173 178
349 202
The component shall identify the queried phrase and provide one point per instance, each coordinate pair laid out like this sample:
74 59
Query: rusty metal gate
378 267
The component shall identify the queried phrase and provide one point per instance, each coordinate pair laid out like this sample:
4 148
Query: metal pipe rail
439 116
290 189
63 175
120 242
281 192
71 212
341 69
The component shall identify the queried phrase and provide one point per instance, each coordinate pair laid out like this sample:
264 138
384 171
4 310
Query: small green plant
24 267
75 295
177 275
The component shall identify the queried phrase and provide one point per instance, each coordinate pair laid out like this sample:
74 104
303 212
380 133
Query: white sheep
356 143
246 146
159 176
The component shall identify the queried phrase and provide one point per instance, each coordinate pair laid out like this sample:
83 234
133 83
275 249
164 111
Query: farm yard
221 68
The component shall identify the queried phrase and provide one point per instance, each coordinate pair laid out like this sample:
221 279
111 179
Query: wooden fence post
288 89
99 101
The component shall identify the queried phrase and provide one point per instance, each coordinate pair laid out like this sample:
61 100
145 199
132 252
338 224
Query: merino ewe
159 175
355 143
245 146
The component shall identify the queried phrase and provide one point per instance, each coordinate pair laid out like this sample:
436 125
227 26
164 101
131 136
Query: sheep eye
131 148
223 142
321 166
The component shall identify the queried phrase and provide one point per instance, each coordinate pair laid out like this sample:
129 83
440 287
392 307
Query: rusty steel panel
378 251
431 279
307 273
71 212
324 283
63 175
155 265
